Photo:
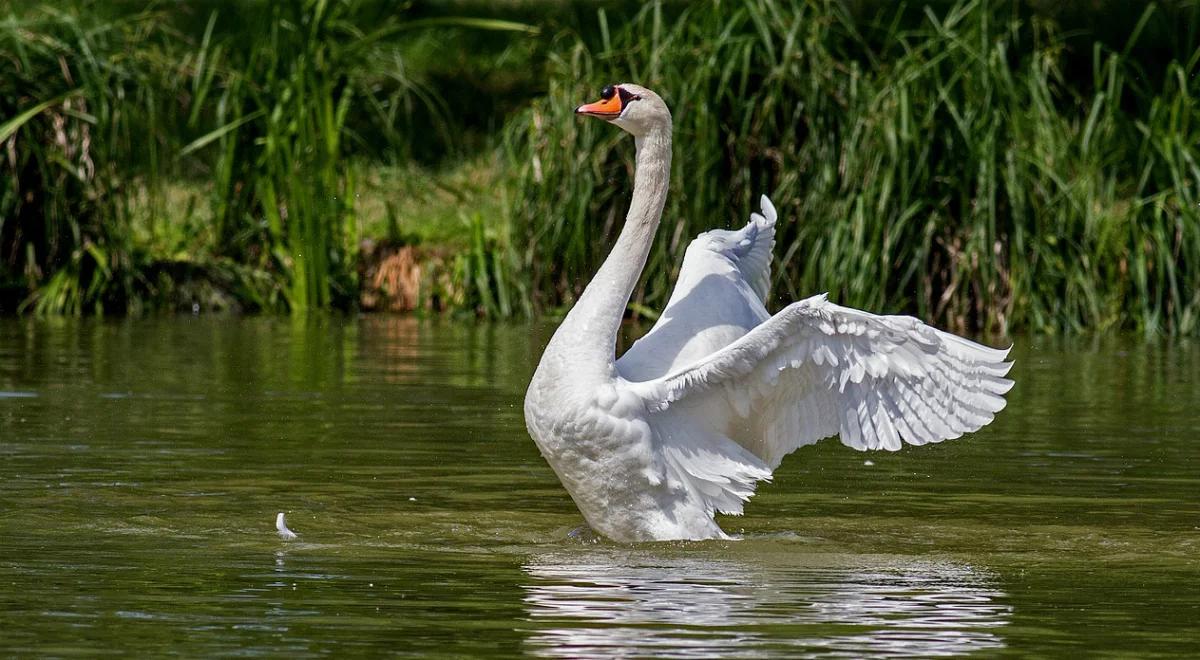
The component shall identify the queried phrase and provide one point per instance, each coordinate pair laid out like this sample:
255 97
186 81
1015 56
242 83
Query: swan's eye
627 96
607 92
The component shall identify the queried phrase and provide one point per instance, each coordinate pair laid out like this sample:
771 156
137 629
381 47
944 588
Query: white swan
709 402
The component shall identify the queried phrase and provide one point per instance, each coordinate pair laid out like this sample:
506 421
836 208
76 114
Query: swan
704 406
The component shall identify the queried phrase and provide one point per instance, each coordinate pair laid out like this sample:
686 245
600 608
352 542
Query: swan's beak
609 108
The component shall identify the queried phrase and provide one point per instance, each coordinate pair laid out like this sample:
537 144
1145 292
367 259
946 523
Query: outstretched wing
718 297
817 369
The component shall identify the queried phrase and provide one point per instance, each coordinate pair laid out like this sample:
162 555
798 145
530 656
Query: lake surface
144 462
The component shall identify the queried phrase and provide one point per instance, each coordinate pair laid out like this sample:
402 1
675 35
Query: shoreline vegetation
987 166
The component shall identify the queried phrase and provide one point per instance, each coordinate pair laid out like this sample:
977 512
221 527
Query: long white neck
590 330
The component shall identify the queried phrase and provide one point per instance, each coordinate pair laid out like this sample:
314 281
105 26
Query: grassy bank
986 165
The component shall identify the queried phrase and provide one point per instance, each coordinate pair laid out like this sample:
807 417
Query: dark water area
144 462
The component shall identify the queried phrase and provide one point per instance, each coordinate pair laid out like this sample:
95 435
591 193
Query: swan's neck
590 329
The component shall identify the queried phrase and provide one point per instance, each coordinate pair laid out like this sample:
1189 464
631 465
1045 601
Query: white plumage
712 398
282 528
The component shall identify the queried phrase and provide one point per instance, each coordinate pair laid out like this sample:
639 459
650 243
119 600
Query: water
144 462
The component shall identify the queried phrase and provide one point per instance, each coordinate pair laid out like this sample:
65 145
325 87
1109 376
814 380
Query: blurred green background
989 166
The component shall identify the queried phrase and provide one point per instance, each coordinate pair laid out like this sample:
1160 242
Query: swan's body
708 403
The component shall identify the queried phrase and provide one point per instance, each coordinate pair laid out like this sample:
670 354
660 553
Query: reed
972 163
943 166
70 92
259 107
285 194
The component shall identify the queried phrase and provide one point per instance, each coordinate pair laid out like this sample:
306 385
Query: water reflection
609 604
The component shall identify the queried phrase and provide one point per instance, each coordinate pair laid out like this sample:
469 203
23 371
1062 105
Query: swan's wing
749 248
816 369
718 297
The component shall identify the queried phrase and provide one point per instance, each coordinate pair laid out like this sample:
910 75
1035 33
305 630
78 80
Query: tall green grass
70 91
282 196
284 90
971 162
943 166
260 105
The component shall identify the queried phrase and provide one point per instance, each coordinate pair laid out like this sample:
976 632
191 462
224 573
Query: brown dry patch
390 277
402 278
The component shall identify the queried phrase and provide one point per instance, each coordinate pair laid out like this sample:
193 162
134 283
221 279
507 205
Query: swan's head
632 107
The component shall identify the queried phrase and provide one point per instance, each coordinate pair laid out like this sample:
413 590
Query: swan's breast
600 444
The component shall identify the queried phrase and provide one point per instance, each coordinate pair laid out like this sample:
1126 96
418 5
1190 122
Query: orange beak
609 108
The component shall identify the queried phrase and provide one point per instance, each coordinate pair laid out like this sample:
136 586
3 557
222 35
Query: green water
144 463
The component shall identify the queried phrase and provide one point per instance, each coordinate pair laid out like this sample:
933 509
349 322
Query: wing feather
718 297
817 369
